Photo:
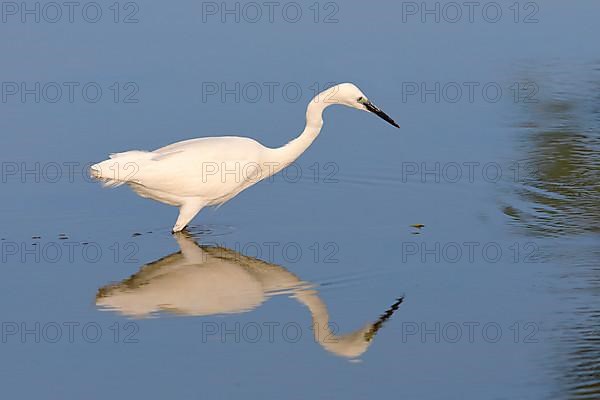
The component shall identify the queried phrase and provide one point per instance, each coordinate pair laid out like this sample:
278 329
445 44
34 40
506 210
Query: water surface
316 283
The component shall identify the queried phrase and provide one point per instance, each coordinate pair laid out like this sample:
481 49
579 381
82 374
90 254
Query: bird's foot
178 228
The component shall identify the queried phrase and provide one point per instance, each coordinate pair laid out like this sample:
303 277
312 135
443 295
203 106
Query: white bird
208 281
196 173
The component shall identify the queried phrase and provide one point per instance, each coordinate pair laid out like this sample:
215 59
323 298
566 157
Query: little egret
196 173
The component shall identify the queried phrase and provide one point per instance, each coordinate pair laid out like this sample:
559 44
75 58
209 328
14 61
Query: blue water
497 156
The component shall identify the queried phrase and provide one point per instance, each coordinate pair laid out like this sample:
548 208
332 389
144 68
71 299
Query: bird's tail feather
120 168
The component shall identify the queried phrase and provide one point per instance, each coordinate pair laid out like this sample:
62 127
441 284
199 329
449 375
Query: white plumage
196 173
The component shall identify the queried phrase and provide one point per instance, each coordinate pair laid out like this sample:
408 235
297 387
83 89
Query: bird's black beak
371 107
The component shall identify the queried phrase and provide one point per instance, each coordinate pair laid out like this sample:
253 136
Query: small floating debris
34 237
136 234
149 232
84 243
62 236
418 226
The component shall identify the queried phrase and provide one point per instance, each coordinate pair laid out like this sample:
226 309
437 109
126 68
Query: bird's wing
162 156
210 168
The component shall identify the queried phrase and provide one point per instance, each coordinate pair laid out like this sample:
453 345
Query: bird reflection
208 280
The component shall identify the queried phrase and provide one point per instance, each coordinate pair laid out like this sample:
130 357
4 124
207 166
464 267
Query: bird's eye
361 100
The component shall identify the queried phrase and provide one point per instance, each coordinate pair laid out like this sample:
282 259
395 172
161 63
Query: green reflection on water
561 192
559 139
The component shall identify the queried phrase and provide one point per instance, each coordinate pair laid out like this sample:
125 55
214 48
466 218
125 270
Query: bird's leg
187 211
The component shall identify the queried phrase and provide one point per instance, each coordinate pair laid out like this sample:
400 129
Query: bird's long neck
314 122
348 345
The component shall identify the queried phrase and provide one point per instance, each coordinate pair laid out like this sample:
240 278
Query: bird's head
350 95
